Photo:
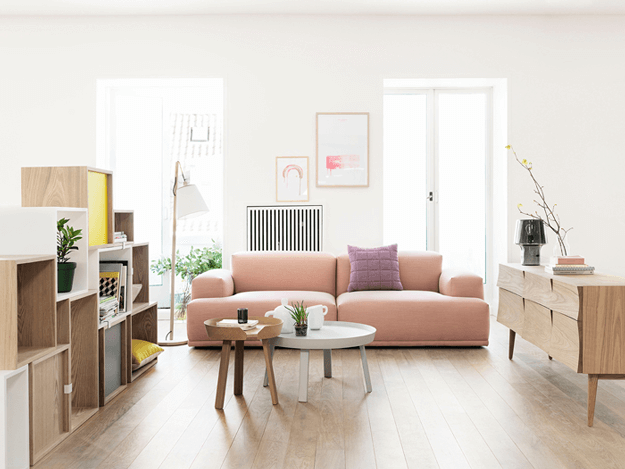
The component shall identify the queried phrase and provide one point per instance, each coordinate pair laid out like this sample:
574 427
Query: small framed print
292 179
342 149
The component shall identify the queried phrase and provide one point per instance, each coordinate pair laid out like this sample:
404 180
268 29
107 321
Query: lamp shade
190 202
530 231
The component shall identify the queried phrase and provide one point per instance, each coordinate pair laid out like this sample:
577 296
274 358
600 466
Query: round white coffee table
333 335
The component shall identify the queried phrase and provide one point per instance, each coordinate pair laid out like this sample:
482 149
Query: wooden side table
266 329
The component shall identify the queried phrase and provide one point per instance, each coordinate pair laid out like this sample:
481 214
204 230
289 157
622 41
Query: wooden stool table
266 329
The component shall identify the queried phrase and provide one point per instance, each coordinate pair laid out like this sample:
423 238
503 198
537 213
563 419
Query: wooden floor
430 407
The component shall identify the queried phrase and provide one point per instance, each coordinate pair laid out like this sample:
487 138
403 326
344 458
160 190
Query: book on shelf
119 236
567 260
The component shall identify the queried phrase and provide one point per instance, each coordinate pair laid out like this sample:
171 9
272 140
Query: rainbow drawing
300 173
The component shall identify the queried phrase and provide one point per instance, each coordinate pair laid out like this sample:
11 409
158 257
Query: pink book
569 260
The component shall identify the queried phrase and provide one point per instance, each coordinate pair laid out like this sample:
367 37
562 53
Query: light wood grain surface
433 407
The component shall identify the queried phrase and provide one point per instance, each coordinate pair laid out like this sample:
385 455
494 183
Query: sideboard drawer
564 344
537 325
510 312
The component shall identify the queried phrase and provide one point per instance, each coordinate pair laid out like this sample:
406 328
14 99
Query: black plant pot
65 276
301 330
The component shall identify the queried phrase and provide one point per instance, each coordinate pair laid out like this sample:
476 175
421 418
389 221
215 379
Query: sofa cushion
418 270
417 316
374 268
257 304
279 271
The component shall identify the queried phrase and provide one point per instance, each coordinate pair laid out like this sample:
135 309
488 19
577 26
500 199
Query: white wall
565 82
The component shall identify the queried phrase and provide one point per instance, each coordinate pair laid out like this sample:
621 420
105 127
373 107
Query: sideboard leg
511 344
593 381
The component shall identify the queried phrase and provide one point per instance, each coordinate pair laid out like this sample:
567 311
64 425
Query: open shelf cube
124 221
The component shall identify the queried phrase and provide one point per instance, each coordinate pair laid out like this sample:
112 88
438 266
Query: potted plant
188 267
300 316
66 238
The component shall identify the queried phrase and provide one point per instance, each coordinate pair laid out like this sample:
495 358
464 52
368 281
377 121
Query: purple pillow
374 269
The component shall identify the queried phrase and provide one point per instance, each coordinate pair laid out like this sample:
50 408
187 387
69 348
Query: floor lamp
188 203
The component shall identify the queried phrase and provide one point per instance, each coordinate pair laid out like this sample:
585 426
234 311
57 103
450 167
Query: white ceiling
316 7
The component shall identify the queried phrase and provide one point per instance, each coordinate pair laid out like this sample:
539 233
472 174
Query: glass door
436 173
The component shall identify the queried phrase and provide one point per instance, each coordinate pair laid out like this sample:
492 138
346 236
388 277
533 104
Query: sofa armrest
459 283
217 283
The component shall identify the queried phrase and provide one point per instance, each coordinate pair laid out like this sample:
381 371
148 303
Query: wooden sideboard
577 319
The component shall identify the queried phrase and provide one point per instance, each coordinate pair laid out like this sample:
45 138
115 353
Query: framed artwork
342 149
292 179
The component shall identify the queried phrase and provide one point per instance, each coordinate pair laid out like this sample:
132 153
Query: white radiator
285 228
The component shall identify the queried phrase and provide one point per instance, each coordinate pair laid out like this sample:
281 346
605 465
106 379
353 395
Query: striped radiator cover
285 228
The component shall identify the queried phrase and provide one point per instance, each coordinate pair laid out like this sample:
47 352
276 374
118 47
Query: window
145 126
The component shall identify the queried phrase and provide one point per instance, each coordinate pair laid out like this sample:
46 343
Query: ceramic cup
315 316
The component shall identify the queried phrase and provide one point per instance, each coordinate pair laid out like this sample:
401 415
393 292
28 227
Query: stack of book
108 307
569 265
119 237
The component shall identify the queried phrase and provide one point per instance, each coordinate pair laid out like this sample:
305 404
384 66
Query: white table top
333 335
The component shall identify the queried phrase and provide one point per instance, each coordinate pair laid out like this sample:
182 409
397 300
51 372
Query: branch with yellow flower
550 219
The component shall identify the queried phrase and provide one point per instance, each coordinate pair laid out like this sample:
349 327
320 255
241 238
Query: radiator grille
285 228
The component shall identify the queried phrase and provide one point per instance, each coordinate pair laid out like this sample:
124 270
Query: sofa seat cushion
257 304
417 317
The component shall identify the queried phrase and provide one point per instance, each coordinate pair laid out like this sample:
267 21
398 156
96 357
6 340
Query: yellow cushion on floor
143 352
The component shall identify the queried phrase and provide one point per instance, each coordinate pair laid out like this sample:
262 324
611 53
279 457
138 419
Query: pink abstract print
341 162
300 174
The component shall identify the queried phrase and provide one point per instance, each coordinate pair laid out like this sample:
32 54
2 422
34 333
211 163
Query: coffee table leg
365 368
238 367
270 375
303 375
223 374
272 348
327 363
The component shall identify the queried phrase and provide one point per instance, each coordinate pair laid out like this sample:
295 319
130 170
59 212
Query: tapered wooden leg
270 375
511 344
272 348
223 374
238 367
593 381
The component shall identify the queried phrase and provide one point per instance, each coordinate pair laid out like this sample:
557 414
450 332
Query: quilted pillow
374 269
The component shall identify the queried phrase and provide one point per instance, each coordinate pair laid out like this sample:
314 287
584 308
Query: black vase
301 329
65 276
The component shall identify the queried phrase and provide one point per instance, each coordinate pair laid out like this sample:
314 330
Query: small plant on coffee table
300 316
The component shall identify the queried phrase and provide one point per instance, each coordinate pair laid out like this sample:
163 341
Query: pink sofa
435 308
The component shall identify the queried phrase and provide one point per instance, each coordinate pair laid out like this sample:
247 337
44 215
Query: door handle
430 197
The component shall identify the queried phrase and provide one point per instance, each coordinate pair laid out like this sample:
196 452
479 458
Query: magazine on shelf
120 266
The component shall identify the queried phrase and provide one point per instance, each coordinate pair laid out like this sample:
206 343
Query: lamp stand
530 254
169 337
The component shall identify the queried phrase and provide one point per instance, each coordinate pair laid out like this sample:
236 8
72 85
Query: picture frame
292 179
342 149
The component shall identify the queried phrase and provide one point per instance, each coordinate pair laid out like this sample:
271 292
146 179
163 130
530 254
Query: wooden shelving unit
56 340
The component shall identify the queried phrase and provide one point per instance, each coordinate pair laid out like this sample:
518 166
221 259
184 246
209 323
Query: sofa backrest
275 271
418 270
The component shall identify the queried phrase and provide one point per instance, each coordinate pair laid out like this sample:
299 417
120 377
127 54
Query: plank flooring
430 408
